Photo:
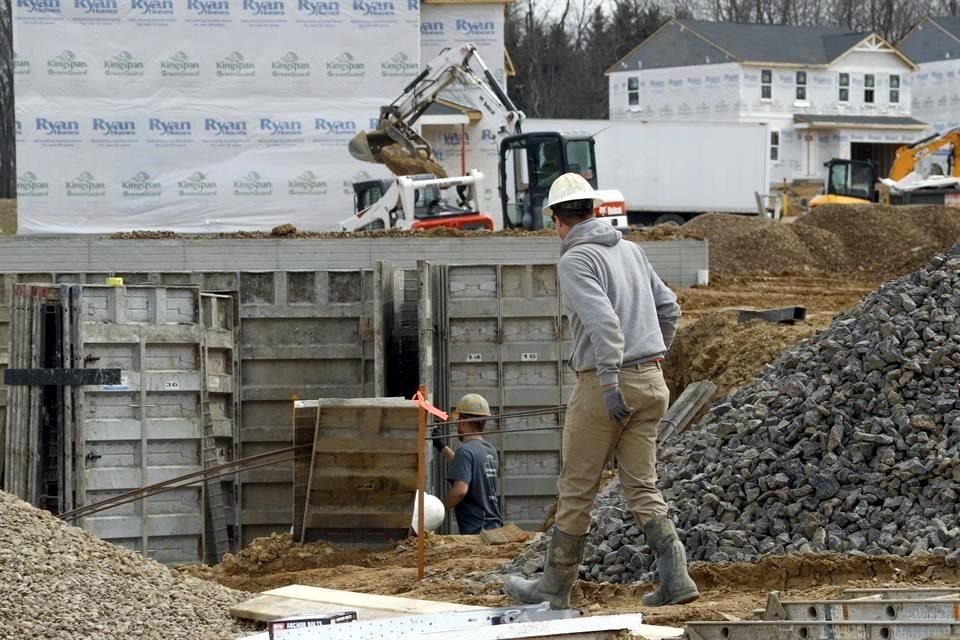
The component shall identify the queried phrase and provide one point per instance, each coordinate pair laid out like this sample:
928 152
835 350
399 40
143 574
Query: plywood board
299 599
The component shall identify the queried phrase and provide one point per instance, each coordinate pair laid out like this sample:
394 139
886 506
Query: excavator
527 163
853 181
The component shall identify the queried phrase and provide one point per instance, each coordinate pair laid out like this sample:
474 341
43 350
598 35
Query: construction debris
62 582
849 443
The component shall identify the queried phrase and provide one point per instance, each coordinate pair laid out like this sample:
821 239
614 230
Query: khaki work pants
590 437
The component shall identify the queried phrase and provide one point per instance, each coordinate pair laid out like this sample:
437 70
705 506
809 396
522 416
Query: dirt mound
871 241
887 240
719 349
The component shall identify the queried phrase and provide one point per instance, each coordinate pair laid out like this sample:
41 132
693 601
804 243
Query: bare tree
8 169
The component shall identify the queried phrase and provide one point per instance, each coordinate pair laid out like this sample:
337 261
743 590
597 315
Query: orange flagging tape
420 401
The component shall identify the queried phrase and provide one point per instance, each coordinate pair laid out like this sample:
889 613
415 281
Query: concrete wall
677 262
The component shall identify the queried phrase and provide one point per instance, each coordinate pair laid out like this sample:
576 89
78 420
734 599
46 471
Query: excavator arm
908 156
397 144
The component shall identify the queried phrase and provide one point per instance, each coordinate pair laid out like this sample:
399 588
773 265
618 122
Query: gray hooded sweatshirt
619 309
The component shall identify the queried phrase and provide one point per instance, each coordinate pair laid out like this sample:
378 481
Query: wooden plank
694 398
299 599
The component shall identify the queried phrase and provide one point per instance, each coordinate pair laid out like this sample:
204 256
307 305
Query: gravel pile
850 442
61 582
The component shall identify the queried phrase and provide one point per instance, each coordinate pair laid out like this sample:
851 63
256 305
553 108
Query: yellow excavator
854 181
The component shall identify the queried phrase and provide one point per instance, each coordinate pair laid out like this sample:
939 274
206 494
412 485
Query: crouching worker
473 469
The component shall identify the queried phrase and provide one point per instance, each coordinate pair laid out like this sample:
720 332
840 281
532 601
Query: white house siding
936 95
697 93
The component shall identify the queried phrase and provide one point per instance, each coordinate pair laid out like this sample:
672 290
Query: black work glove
617 406
438 443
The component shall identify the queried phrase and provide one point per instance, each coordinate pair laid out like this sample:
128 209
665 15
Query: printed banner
200 115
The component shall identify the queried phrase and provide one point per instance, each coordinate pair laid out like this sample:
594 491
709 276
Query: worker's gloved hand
438 443
617 406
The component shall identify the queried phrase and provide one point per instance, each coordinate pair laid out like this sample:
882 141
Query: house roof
747 43
870 122
933 38
777 43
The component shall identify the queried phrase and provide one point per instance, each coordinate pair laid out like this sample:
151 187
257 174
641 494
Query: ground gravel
60 582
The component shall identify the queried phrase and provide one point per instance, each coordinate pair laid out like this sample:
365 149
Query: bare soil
454 565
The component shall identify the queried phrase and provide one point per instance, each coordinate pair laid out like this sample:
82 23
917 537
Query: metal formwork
499 332
148 428
302 334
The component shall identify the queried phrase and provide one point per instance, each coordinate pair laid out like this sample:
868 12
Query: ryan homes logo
141 186
279 129
473 28
153 7
209 8
114 129
265 8
432 29
85 185
30 186
123 65
252 184
338 128
67 64
172 130
236 66
399 65
97 7
179 65
21 66
56 130
290 66
307 184
318 8
372 9
198 184
345 66
39 6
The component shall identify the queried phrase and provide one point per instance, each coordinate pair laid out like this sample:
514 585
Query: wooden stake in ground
421 481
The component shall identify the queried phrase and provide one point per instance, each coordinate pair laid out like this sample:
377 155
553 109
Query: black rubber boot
676 585
559 574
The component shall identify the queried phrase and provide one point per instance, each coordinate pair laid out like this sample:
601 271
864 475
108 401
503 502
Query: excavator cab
529 163
848 182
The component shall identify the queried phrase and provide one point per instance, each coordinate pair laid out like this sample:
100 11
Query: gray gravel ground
59 582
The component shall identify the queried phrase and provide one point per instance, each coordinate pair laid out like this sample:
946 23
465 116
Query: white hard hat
433 513
569 187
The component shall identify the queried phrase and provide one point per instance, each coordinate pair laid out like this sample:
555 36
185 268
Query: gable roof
747 43
933 38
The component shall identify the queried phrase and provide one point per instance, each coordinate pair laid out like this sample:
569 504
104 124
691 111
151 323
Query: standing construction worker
473 469
623 319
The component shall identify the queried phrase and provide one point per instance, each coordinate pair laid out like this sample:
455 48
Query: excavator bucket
378 147
365 145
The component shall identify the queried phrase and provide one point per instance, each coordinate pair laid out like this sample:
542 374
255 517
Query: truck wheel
670 218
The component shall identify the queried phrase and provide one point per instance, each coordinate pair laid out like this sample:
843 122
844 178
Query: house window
766 84
802 85
633 92
894 89
844 83
868 86
775 146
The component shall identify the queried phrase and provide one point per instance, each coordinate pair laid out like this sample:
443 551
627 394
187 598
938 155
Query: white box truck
673 171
